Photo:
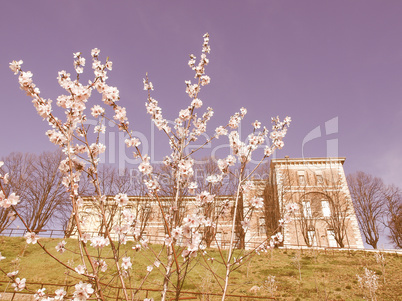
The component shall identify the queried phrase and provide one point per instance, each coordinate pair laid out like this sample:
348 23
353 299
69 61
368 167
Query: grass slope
324 275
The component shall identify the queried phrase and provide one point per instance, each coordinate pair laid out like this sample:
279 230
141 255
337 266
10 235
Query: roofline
308 160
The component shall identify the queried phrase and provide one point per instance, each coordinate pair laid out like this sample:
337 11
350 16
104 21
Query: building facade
316 187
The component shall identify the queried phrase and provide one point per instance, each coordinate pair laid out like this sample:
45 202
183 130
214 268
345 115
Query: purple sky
311 60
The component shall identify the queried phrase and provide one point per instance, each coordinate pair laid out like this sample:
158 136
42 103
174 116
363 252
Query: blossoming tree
184 239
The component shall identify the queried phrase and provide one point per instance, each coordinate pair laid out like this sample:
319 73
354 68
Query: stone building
149 223
325 216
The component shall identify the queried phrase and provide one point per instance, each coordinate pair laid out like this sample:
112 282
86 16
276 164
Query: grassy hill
325 275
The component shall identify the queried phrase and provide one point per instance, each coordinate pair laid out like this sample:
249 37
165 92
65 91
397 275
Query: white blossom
121 199
15 66
39 293
80 269
31 237
192 187
126 264
196 103
256 124
95 52
245 224
19 284
132 142
99 242
12 274
257 202
97 110
61 247
59 294
82 291
12 200
101 264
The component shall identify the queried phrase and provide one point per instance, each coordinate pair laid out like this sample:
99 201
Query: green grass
325 275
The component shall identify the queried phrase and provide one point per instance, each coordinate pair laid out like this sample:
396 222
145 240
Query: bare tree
45 199
169 189
6 218
213 209
393 215
336 206
113 181
368 199
272 210
38 182
325 194
15 171
240 231
308 216
68 222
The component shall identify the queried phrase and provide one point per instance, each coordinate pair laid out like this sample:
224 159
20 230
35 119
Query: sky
334 67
